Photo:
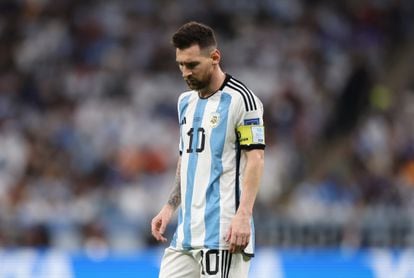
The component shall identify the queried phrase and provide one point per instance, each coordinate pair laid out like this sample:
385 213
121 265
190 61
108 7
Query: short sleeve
250 128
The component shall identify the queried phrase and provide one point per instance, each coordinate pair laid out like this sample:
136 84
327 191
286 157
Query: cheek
204 71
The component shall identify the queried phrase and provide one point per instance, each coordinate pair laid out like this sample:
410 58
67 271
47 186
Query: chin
194 87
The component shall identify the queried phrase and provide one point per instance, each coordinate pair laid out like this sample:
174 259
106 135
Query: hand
238 235
159 223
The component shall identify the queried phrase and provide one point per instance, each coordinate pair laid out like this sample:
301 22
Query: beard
197 85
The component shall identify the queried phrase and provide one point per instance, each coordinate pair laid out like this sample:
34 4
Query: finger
156 235
155 223
239 241
159 237
155 229
228 235
232 248
239 244
246 243
163 226
233 243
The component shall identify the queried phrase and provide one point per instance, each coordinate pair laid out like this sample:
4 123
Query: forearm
251 181
174 200
161 220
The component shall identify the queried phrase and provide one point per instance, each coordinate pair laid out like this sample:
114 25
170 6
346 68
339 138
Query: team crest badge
214 119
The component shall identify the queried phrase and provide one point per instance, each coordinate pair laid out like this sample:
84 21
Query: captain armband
251 136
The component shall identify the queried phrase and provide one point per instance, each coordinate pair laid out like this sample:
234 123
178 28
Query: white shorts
203 263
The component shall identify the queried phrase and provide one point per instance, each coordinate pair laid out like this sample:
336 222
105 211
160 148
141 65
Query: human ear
215 56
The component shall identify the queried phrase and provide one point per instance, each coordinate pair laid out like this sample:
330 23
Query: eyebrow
189 64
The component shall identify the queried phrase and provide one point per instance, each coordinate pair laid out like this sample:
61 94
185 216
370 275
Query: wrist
244 212
170 207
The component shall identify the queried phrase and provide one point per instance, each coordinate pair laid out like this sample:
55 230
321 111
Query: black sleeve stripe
253 147
244 97
237 185
254 102
242 90
246 90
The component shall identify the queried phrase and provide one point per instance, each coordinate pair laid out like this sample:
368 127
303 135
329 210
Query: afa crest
214 119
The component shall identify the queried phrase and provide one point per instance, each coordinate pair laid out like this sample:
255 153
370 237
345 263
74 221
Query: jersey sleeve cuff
253 147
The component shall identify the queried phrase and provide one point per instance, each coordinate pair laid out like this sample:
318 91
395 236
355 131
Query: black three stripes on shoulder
247 95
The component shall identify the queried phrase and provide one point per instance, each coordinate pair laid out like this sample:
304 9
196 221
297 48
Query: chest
206 119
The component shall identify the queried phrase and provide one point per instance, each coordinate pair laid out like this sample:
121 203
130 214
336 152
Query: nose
185 72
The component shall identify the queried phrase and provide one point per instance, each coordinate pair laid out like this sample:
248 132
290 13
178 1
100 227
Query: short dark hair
193 33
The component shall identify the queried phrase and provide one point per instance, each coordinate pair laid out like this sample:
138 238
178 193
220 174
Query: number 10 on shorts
214 260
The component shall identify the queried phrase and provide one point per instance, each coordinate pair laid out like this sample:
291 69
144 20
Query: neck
217 80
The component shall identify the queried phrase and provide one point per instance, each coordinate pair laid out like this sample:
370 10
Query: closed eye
190 65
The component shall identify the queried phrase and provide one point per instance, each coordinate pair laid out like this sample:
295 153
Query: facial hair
197 85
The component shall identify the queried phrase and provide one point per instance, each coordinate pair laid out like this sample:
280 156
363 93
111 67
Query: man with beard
219 169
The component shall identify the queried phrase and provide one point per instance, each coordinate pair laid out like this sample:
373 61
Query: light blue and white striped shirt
212 162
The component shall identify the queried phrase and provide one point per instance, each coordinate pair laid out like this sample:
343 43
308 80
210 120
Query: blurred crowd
88 124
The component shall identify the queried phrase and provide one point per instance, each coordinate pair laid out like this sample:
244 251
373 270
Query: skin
201 71
238 234
160 221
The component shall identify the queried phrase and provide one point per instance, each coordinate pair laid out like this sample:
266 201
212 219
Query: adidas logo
183 121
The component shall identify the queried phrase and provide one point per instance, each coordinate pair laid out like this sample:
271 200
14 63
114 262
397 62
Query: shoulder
185 95
238 90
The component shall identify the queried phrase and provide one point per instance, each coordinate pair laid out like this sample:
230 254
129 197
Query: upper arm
254 155
250 127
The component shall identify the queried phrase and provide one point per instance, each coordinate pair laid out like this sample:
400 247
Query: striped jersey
213 133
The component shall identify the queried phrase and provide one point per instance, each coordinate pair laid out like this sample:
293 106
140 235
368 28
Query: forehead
189 54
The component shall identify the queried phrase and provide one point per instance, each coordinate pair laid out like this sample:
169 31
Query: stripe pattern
191 176
225 263
237 179
211 166
212 209
248 98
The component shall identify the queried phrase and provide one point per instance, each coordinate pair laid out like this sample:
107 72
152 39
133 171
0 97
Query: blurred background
89 133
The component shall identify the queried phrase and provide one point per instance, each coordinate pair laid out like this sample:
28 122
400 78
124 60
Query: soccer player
220 166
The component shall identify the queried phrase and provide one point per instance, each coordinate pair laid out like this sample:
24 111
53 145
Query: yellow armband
251 135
